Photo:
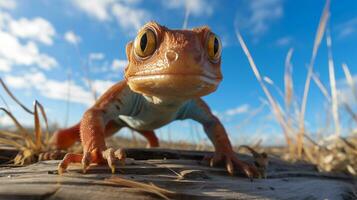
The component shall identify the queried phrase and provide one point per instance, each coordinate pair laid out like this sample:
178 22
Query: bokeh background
66 53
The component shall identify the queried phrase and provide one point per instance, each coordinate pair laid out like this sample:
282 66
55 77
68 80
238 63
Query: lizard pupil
215 46
143 42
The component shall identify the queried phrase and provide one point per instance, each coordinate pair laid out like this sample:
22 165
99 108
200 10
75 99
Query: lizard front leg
93 131
200 112
224 151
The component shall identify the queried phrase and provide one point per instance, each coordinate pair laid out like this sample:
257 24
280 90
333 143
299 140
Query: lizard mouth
152 77
184 85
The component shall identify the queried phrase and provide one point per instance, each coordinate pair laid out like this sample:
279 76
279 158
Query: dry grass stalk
289 90
288 80
350 111
334 102
187 15
38 130
328 155
274 105
4 102
351 84
349 79
271 82
321 86
23 132
29 145
268 80
319 34
13 97
150 188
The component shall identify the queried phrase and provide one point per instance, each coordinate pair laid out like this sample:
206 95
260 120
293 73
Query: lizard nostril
171 56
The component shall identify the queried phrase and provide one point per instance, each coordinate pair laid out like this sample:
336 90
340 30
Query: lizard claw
121 155
86 161
94 156
109 156
232 162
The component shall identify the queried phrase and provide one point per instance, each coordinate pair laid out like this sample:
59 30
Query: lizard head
174 63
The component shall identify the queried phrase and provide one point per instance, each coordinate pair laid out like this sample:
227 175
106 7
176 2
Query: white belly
148 116
155 121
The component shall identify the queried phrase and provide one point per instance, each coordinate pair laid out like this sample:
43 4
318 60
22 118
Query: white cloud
4 65
56 89
284 41
24 52
196 7
71 37
229 114
8 4
345 93
127 16
4 20
5 121
95 8
101 86
347 28
264 12
238 110
119 64
260 15
96 56
25 82
49 88
37 29
27 54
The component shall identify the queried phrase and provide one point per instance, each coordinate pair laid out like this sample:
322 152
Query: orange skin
168 73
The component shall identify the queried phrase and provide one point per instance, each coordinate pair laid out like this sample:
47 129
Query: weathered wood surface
285 181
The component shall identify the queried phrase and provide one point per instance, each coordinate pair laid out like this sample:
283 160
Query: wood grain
176 170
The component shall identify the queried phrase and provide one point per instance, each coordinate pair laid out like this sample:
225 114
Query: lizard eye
214 47
145 43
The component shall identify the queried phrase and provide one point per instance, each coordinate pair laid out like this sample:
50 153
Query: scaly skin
167 74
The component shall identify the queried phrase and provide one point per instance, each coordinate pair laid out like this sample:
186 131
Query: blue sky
44 42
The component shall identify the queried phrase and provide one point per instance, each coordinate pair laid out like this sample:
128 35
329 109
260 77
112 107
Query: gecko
168 73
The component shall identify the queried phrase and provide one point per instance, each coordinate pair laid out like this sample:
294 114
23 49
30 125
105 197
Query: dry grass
29 145
333 154
274 105
334 101
318 38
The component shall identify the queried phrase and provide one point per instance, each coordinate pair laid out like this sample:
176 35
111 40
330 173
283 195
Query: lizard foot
231 162
94 156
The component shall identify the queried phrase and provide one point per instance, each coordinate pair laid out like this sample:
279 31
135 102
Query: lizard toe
121 155
67 160
110 157
86 161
